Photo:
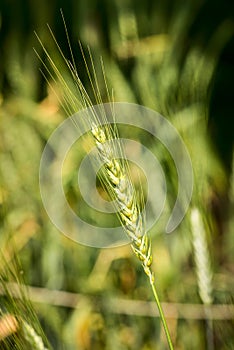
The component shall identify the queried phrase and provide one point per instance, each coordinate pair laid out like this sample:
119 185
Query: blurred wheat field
175 58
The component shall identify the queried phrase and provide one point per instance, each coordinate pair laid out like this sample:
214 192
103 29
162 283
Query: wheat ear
116 175
32 337
201 257
19 325
120 188
10 325
203 269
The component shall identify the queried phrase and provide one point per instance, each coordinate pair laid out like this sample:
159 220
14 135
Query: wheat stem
162 317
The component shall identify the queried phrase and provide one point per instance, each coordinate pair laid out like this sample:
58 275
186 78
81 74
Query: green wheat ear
115 173
120 188
203 268
19 326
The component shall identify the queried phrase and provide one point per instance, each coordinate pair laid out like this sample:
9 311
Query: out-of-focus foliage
175 57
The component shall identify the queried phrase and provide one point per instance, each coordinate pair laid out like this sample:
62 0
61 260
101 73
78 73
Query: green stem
162 317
